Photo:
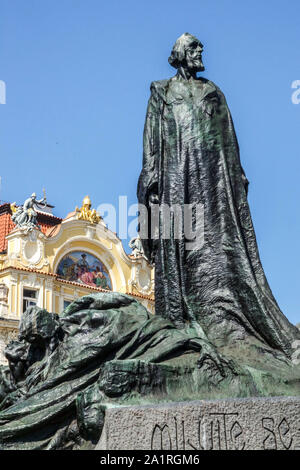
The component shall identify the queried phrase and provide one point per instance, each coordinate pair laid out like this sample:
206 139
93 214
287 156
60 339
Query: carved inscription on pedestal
227 424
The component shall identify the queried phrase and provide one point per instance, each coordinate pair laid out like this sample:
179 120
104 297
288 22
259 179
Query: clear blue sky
78 75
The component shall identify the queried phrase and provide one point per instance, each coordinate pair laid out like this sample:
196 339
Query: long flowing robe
191 157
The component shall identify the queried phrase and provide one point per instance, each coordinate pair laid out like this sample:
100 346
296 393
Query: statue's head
33 196
87 202
187 53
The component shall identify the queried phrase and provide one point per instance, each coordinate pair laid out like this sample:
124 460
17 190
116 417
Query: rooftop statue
218 331
136 246
26 216
86 212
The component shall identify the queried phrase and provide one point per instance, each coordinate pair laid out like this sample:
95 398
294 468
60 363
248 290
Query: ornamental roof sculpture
136 246
86 212
25 216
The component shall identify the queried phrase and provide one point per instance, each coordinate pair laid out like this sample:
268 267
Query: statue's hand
41 201
211 359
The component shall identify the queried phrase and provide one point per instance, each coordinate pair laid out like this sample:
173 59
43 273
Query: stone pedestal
227 424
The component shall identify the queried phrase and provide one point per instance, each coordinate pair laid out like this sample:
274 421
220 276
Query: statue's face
193 56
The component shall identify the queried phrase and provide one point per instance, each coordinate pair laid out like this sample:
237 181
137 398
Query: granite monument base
227 424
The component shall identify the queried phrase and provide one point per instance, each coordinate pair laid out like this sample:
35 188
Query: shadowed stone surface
232 424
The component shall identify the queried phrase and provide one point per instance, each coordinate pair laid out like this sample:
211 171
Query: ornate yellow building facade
62 260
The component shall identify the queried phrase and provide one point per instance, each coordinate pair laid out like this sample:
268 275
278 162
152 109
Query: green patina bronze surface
106 350
191 157
218 331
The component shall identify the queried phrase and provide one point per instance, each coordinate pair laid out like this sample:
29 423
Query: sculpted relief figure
191 158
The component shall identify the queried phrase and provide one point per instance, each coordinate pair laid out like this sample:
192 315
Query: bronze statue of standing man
191 157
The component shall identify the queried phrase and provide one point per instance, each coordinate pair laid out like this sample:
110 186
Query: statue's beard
195 65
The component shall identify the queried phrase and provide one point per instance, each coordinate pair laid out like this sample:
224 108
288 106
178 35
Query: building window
29 298
66 303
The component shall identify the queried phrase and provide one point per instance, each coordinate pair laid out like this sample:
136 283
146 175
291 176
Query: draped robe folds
191 156
106 350
109 341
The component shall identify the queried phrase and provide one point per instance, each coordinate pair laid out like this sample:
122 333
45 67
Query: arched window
82 267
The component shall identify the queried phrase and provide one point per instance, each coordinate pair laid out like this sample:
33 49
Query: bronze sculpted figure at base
218 331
